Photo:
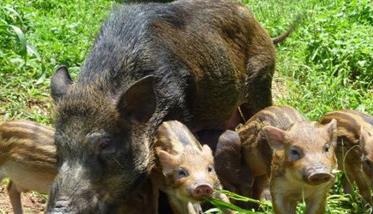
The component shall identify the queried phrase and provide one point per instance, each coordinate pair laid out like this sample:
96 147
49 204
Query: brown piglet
184 168
27 158
354 149
292 156
231 168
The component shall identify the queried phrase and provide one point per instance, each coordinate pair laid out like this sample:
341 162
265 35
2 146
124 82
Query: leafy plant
340 45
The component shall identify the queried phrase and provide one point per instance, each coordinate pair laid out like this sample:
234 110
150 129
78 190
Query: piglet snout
319 178
318 175
202 191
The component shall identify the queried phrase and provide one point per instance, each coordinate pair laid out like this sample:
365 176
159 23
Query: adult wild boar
192 61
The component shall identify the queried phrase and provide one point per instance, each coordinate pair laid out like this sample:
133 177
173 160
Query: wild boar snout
61 206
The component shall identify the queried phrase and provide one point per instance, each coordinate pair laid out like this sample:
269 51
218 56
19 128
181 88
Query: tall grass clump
328 61
35 37
341 43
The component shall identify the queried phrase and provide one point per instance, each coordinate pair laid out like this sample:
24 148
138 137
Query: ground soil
279 88
32 202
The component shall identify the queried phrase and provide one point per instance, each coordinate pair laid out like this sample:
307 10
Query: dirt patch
40 106
32 202
279 88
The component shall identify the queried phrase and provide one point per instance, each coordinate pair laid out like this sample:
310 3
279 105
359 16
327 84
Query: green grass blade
21 39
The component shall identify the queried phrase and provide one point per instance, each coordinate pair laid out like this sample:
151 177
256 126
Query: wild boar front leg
15 198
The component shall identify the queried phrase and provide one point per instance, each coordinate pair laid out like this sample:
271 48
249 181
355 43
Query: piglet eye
326 147
294 154
181 173
210 168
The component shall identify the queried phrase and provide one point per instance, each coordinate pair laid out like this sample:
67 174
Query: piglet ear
60 83
167 161
207 152
275 137
332 130
331 127
138 103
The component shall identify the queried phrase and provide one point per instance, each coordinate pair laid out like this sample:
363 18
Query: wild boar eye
106 146
326 147
294 154
181 173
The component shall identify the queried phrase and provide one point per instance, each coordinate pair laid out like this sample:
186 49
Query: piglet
291 156
184 169
27 158
354 149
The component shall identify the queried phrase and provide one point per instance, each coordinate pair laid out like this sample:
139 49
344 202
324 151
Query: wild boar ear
275 137
138 103
166 160
331 127
60 83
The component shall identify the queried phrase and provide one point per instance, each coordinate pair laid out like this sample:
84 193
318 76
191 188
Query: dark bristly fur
354 152
192 61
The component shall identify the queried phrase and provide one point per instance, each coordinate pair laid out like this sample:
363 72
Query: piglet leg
15 198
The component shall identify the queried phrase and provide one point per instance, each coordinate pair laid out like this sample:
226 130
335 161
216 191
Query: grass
324 66
36 36
329 57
